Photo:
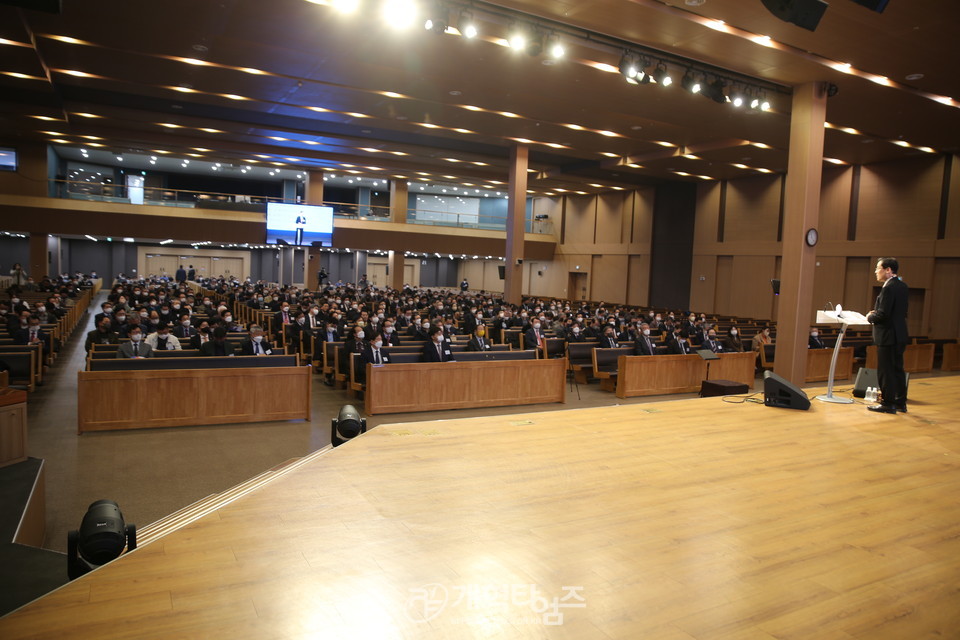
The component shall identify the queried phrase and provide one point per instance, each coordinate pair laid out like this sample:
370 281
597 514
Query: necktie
537 332
440 352
376 356
136 350
256 349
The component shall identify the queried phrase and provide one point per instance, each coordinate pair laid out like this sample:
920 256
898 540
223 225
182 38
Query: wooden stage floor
689 519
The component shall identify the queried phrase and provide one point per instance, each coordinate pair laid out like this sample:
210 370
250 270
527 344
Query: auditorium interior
744 160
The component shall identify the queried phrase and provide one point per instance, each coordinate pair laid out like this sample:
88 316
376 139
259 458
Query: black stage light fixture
534 46
629 66
775 285
875 5
690 82
661 76
49 6
437 20
803 13
347 425
716 91
737 98
467 25
102 537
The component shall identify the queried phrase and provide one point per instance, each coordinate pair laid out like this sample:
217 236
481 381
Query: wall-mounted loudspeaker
875 5
803 13
778 392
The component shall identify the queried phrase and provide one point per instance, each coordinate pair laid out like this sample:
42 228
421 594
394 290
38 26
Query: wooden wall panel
702 291
708 210
900 200
750 293
643 216
580 216
945 303
638 280
827 287
610 209
953 204
722 302
835 203
609 278
753 209
858 284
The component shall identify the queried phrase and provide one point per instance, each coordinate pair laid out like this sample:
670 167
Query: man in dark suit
103 334
136 348
479 341
643 343
256 345
183 331
391 338
218 345
31 334
181 275
710 342
191 273
889 320
533 338
437 349
609 338
679 344
202 336
815 342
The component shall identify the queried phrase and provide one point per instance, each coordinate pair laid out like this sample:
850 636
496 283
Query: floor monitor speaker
778 392
868 378
803 13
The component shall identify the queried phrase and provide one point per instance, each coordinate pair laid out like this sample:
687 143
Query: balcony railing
157 196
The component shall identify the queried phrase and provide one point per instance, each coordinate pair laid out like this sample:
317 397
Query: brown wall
897 211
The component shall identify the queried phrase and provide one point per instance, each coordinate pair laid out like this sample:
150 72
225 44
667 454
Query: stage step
27 573
22 506
215 501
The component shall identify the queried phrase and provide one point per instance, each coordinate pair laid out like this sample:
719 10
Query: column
286 265
516 210
396 262
39 261
363 201
399 195
801 211
290 191
312 267
315 188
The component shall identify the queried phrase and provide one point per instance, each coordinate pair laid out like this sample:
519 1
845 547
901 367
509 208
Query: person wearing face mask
184 329
680 344
163 340
421 331
103 334
389 334
355 343
373 354
534 338
256 345
135 348
711 342
202 336
643 344
761 338
815 342
479 341
437 349
732 342
609 338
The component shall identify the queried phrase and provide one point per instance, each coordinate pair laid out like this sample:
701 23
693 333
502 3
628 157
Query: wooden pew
657 375
605 364
401 388
140 398
917 358
580 358
951 357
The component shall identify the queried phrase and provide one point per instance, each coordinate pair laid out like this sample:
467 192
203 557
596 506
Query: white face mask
438 338
227 318
388 330
733 332
360 335
378 344
576 330
314 312
536 325
814 334
143 314
646 332
425 325
257 339
185 323
135 337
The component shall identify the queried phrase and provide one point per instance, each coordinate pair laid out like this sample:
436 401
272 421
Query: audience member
218 345
437 349
255 345
163 340
135 348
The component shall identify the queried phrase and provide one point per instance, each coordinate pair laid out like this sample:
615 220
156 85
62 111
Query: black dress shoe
902 408
882 408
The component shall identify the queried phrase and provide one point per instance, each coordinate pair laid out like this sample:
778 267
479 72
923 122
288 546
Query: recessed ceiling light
915 76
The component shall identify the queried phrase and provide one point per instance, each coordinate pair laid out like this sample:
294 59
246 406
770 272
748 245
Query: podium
845 318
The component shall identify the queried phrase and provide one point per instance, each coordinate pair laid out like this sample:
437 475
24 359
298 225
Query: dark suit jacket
640 347
96 337
183 333
674 348
209 348
530 338
732 344
246 347
714 345
367 356
143 350
474 344
22 336
195 341
815 343
430 352
607 343
889 317
392 340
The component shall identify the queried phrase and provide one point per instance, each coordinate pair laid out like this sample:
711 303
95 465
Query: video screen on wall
299 224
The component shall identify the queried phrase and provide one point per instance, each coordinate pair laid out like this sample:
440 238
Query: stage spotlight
737 98
661 76
467 25
629 66
347 425
517 38
399 14
437 20
102 537
534 45
764 104
803 13
716 91
555 48
690 82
